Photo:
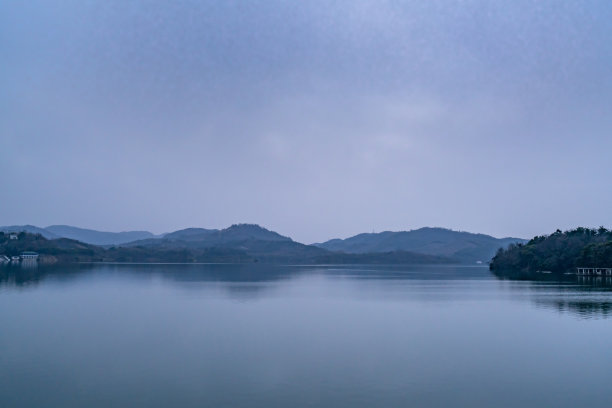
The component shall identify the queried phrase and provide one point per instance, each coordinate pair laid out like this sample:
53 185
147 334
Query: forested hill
558 252
462 246
238 244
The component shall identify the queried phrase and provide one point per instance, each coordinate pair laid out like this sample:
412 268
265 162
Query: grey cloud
317 119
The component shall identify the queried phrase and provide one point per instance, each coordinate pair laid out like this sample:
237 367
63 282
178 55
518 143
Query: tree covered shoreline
559 252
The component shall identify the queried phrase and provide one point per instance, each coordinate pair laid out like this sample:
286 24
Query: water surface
272 336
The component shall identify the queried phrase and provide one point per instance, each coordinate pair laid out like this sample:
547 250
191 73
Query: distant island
247 243
559 252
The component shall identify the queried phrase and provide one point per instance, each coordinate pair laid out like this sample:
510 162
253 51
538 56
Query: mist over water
255 335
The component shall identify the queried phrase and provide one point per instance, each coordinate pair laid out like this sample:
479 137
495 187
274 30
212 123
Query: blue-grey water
272 336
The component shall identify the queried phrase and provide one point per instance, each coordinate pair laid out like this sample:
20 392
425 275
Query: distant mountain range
253 243
88 236
462 246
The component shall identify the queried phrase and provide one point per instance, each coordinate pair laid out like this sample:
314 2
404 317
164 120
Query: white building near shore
29 255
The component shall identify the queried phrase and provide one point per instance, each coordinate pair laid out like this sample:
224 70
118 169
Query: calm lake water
271 336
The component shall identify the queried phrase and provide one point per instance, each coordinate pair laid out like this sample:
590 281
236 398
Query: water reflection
350 336
32 274
243 280
582 296
586 297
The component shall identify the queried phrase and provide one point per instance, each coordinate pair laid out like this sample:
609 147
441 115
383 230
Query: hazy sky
316 119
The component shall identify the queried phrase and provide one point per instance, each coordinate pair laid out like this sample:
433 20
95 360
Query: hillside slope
97 237
244 250
263 245
31 229
84 235
463 246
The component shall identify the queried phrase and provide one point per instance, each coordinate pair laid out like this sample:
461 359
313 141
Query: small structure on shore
594 271
13 235
29 255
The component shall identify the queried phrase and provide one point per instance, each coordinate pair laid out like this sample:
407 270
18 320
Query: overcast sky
317 119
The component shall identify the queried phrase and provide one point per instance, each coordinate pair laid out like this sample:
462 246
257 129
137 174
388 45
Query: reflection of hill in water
584 296
24 275
585 309
16 275
246 274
